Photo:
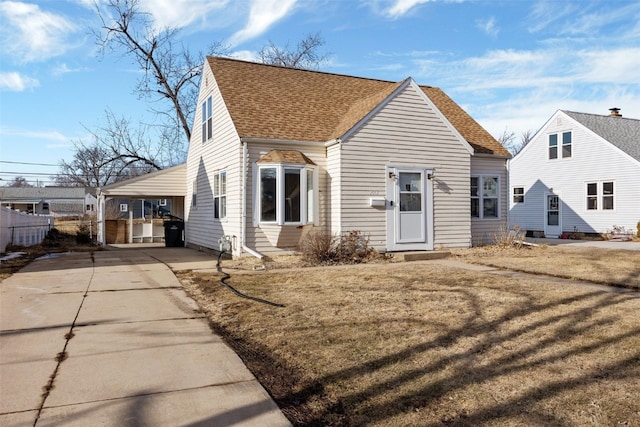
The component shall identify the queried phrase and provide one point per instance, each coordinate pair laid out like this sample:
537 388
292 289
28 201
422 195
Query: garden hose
226 276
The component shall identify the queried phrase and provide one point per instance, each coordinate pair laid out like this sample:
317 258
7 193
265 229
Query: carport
167 184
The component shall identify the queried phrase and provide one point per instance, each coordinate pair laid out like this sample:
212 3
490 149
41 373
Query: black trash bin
173 233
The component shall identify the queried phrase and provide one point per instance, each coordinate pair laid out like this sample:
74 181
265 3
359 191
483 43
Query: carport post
130 221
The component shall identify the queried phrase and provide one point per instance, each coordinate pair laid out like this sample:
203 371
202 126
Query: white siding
593 160
223 153
405 132
485 231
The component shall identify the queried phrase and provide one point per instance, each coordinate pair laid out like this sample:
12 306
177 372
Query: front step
426 255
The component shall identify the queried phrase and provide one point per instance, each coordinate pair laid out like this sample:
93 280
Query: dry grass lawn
402 344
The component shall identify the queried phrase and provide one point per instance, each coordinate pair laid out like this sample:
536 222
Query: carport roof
170 182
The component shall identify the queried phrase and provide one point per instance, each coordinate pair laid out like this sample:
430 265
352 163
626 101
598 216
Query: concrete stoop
425 255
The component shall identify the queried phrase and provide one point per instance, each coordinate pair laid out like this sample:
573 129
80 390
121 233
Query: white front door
552 216
409 209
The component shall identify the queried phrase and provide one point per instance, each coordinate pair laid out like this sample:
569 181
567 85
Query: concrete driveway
111 339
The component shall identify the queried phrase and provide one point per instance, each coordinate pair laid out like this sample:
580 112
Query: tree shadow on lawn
465 370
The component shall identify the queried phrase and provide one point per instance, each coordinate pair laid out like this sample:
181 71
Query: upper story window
485 197
286 188
220 195
565 149
566 144
207 119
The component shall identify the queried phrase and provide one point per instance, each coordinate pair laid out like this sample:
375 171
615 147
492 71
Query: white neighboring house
579 173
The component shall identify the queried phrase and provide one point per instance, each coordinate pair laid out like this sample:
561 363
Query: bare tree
116 152
508 140
305 55
170 72
19 181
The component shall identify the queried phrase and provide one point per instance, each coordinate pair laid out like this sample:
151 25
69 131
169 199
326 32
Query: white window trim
599 196
480 216
513 195
217 195
124 207
194 194
560 145
206 115
280 182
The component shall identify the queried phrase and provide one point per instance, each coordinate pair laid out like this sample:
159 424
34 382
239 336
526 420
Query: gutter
243 230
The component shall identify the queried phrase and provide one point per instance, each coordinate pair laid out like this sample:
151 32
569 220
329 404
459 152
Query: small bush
504 237
320 247
83 235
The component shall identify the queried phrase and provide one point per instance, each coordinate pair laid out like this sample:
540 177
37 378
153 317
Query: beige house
276 152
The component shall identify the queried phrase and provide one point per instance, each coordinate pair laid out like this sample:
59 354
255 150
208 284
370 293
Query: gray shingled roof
622 132
8 194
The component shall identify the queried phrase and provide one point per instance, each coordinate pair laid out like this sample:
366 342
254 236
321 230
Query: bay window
286 194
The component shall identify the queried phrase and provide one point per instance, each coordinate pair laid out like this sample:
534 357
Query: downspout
243 237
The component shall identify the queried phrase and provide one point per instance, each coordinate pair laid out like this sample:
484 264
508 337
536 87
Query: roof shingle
272 102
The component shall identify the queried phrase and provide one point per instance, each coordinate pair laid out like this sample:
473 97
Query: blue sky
510 64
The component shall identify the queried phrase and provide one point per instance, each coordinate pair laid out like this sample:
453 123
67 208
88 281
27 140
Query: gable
276 103
621 132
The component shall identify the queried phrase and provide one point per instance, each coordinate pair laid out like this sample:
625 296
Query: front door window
553 211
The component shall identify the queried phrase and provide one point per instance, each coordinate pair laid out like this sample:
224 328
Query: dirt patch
422 344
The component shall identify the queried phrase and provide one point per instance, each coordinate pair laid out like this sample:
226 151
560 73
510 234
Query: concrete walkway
111 339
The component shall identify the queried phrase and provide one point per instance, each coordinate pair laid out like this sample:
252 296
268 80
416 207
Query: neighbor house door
409 209
552 216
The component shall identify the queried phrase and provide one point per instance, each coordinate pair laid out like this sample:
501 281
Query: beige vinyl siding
271 239
160 184
204 160
405 132
485 231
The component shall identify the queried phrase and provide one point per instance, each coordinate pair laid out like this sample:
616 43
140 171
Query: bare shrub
505 237
320 248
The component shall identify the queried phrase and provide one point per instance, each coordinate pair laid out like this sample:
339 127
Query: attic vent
615 112
558 121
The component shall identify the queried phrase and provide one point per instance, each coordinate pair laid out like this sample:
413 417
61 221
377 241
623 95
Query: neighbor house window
607 195
553 146
207 119
592 196
600 195
194 193
124 207
286 194
518 194
220 195
566 144
485 197
162 202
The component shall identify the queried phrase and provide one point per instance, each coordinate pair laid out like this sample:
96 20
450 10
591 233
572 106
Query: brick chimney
615 112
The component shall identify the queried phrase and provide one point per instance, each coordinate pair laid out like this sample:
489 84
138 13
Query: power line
27 163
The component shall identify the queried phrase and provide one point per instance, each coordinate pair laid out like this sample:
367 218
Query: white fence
22 229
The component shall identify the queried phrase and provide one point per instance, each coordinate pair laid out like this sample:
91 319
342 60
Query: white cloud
401 7
181 13
262 15
30 34
245 55
23 133
16 82
488 26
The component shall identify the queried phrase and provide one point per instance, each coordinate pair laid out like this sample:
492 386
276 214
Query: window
600 195
607 195
124 207
194 195
592 196
207 120
485 197
518 194
220 195
282 197
162 202
553 146
566 144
